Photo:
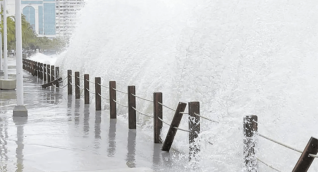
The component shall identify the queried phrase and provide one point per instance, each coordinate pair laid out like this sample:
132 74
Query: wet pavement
63 134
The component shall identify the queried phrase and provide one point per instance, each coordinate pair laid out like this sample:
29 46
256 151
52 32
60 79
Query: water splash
236 58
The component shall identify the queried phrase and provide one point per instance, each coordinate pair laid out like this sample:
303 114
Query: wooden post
157 112
131 105
194 128
112 97
57 74
36 69
48 71
305 160
250 127
44 72
86 88
69 82
52 73
98 100
77 86
174 124
40 71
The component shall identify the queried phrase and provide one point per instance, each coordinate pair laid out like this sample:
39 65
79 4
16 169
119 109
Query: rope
182 129
166 106
313 156
90 91
142 113
163 121
142 98
205 118
90 81
279 143
120 104
119 91
64 86
102 85
267 165
173 127
102 97
64 79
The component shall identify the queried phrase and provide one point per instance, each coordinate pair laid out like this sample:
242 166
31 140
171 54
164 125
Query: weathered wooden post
194 128
52 73
77 86
98 99
57 74
112 98
86 88
131 105
39 70
250 127
36 69
44 72
48 71
69 82
305 160
173 127
157 113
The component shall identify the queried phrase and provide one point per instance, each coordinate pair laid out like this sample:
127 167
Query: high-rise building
49 18
41 15
66 16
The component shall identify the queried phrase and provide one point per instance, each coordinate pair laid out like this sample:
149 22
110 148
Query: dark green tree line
30 40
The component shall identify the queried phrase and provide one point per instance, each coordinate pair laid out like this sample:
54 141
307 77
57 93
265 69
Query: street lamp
19 110
1 62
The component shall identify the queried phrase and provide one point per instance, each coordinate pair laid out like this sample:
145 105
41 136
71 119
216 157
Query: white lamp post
20 110
5 49
1 62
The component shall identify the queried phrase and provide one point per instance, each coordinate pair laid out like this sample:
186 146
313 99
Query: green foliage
30 41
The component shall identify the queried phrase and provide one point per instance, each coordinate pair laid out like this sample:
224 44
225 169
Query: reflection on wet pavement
63 134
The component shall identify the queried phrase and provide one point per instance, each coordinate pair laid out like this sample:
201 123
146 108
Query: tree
30 40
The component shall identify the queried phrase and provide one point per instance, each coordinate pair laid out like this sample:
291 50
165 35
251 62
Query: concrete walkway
63 134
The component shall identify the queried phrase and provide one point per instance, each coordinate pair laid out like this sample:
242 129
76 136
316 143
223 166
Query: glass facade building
41 15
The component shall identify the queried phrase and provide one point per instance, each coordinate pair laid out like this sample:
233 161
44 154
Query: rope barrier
173 127
103 86
182 129
103 97
313 156
64 79
64 86
120 104
163 121
279 143
205 118
267 165
90 81
142 98
90 91
142 113
119 91
166 106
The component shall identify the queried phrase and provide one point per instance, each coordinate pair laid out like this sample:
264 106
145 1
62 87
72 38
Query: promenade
63 134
